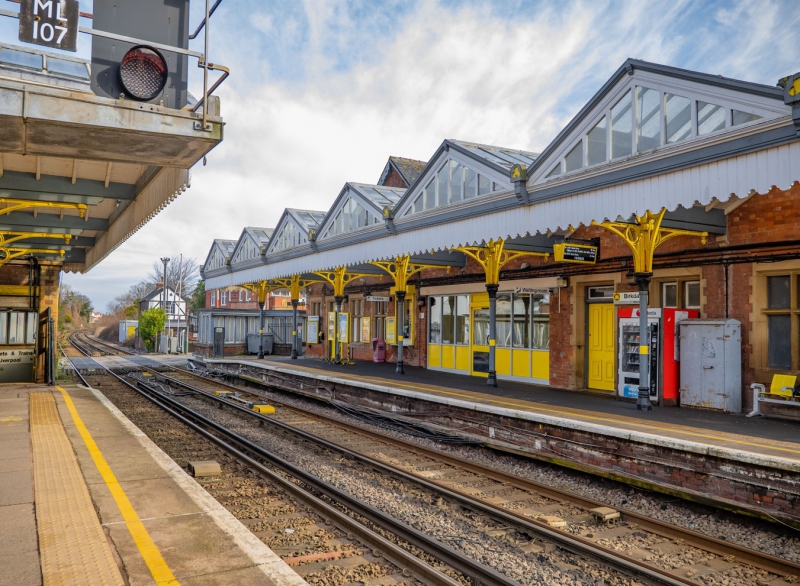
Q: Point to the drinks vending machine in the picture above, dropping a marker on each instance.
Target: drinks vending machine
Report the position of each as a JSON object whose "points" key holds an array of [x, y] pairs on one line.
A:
{"points": [[664, 352]]}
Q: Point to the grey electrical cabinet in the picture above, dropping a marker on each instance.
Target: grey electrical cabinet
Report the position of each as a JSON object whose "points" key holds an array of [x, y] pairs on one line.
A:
{"points": [[711, 364]]}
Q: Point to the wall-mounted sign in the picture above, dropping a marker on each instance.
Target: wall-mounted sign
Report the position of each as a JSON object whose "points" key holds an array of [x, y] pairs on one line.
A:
{"points": [[52, 23], [344, 327], [312, 329], [575, 253], [383, 298], [331, 325], [365, 329], [626, 297], [532, 290], [391, 331]]}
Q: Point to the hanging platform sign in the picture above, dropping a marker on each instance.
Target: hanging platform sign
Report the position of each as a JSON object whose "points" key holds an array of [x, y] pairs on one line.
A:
{"points": [[384, 298], [51, 23], [532, 290], [575, 253]]}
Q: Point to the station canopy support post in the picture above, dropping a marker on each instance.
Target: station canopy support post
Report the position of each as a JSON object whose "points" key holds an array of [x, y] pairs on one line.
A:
{"points": [[401, 269], [643, 236], [339, 278]]}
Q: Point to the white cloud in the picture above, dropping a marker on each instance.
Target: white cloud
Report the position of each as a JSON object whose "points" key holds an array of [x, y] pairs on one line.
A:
{"points": [[432, 73]]}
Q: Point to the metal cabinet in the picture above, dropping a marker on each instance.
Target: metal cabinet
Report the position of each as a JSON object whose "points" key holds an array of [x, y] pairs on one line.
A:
{"points": [[711, 364]]}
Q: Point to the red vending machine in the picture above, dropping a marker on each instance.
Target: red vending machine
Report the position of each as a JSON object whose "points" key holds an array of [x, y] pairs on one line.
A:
{"points": [[664, 353]]}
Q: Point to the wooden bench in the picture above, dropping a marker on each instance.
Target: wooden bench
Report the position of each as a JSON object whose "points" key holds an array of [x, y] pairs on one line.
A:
{"points": [[780, 391]]}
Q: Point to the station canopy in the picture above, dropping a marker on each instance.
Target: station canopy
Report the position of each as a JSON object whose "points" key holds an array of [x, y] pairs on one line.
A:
{"points": [[78, 165]]}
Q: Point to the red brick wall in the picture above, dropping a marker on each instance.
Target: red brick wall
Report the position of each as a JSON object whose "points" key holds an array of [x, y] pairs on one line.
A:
{"points": [[771, 217], [562, 374], [393, 179]]}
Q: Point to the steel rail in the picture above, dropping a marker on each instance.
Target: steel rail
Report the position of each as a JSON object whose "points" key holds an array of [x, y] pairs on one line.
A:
{"points": [[722, 548], [743, 554], [463, 564], [576, 544], [383, 547]]}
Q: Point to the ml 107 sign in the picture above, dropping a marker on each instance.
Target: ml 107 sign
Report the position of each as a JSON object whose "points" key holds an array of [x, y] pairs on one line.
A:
{"points": [[52, 23], [576, 253]]}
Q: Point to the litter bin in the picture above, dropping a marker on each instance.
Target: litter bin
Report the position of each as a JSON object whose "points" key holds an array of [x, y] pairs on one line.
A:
{"points": [[378, 350]]}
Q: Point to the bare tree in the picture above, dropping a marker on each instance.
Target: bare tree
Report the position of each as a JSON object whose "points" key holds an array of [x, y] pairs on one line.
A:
{"points": [[121, 306], [184, 270]]}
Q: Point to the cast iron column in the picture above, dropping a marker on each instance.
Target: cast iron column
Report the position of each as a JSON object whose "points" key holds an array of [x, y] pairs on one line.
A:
{"points": [[643, 401], [401, 313], [336, 349], [294, 329], [492, 290], [261, 330]]}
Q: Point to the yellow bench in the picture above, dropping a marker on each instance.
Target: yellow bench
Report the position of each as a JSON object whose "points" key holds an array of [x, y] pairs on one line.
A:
{"points": [[782, 386]]}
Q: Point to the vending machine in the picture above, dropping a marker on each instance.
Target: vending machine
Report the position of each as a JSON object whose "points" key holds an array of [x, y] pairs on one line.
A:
{"points": [[664, 352]]}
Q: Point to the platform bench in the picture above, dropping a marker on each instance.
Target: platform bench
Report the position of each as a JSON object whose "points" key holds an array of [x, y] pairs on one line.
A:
{"points": [[780, 391]]}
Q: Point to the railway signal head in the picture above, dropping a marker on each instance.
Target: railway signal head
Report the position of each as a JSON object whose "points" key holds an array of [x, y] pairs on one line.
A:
{"points": [[143, 73]]}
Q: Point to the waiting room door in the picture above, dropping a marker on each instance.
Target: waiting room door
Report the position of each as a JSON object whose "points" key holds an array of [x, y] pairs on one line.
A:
{"points": [[601, 347]]}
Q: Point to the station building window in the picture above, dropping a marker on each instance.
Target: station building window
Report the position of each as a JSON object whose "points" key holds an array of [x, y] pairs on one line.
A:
{"points": [[782, 309], [684, 294], [379, 310], [360, 324]]}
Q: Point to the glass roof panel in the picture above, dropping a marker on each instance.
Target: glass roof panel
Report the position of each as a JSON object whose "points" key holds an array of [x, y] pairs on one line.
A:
{"points": [[21, 59]]}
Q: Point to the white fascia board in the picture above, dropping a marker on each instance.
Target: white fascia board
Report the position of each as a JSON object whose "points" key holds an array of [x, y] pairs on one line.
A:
{"points": [[720, 180]]}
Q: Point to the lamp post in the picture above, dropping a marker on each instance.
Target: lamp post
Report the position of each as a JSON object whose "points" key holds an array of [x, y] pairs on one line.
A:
{"points": [[165, 260], [643, 401]]}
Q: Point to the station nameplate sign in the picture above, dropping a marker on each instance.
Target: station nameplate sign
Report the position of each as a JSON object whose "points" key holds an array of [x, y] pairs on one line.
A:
{"points": [[52, 23], [384, 298], [626, 298], [532, 290], [576, 253]]}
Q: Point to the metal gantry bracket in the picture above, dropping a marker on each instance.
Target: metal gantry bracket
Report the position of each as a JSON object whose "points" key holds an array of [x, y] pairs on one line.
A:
{"points": [[15, 205], [645, 236], [10, 253], [494, 256]]}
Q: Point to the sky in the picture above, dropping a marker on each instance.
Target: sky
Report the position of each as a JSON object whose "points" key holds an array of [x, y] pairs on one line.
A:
{"points": [[322, 92]]}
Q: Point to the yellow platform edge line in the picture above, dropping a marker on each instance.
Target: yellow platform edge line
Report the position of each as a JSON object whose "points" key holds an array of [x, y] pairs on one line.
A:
{"points": [[150, 553]]}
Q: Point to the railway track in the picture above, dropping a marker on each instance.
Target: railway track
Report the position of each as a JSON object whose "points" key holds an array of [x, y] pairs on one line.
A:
{"points": [[654, 551]]}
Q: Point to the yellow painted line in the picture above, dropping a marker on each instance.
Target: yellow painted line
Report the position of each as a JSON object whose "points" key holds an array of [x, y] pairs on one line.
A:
{"points": [[152, 556]]}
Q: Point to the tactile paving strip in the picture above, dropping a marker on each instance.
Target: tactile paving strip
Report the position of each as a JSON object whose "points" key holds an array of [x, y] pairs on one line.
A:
{"points": [[73, 547]]}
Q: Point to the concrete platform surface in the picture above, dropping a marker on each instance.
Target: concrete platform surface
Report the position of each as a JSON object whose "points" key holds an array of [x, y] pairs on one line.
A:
{"points": [[162, 527], [764, 441]]}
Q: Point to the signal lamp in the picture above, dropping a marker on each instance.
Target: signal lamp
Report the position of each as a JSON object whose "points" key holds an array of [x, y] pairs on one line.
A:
{"points": [[143, 73]]}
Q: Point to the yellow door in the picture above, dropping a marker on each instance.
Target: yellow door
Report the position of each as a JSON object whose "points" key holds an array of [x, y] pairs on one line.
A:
{"points": [[601, 346], [479, 344]]}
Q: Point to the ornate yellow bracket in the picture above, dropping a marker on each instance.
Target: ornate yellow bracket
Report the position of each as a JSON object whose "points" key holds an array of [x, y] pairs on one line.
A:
{"points": [[645, 236], [401, 269], [7, 237], [295, 283], [339, 278], [15, 205], [10, 253], [493, 257], [261, 289]]}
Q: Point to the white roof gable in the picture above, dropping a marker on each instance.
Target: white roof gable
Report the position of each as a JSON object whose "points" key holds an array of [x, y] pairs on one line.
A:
{"points": [[653, 110]]}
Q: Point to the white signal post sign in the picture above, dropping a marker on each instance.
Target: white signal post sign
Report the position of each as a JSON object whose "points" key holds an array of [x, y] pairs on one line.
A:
{"points": [[52, 23]]}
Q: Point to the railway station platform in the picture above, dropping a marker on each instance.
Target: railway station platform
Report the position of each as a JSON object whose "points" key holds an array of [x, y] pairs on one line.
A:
{"points": [[719, 458], [87, 498]]}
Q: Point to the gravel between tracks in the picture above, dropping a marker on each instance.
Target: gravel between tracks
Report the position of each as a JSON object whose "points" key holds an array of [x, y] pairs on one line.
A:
{"points": [[780, 541]]}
